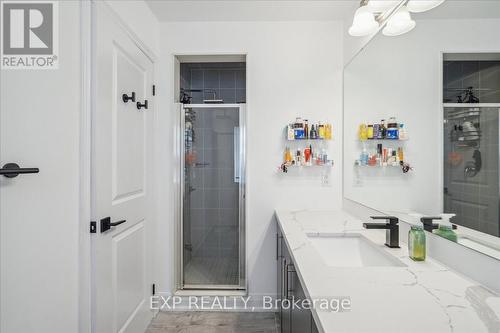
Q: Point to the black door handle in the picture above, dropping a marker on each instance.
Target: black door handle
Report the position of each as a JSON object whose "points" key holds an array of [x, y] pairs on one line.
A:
{"points": [[11, 170], [106, 224]]}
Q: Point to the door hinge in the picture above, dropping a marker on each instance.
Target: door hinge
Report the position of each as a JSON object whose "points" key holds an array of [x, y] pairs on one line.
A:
{"points": [[154, 90], [153, 289], [93, 227]]}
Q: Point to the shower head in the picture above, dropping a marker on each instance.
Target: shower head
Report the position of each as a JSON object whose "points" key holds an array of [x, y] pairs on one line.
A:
{"points": [[214, 100], [186, 98]]}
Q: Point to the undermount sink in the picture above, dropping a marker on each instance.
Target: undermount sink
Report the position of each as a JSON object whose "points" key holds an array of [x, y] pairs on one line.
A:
{"points": [[351, 250]]}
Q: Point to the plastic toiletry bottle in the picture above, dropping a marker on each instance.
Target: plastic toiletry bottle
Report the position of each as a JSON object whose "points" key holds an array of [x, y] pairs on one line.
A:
{"points": [[299, 128], [392, 129], [290, 133], [312, 133], [376, 131], [306, 129], [445, 229], [298, 158], [328, 131], [402, 132], [379, 154], [401, 157], [307, 156], [383, 130], [416, 243], [363, 132], [321, 131], [394, 159], [288, 155], [370, 132], [364, 157]]}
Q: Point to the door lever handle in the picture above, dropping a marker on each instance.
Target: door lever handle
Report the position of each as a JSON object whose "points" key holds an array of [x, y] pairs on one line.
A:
{"points": [[11, 170], [106, 224]]}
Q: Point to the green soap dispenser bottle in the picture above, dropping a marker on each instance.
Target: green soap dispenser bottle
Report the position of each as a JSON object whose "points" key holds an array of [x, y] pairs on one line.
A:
{"points": [[445, 229], [416, 243]]}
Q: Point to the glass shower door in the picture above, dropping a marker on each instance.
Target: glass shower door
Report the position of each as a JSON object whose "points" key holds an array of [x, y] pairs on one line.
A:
{"points": [[213, 186]]}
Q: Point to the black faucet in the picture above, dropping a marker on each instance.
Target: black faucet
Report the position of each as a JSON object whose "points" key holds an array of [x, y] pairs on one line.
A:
{"points": [[391, 232], [429, 225]]}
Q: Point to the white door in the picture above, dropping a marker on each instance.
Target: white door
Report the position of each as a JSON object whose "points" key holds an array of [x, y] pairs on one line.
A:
{"points": [[39, 114], [121, 180]]}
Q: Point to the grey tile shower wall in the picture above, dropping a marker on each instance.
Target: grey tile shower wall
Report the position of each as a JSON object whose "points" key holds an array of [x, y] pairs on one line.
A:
{"points": [[227, 80], [484, 76]]}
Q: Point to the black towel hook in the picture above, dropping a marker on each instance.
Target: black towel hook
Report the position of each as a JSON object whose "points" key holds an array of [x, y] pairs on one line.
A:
{"points": [[127, 98], [140, 106]]}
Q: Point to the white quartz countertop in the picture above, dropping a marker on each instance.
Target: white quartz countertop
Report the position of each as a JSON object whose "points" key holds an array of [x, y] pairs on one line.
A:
{"points": [[421, 297]]}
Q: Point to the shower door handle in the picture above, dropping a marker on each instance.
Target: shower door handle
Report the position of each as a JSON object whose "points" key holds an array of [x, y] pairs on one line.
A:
{"points": [[236, 147]]}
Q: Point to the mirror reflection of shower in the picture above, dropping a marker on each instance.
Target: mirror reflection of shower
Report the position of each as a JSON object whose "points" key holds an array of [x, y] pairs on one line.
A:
{"points": [[471, 96]]}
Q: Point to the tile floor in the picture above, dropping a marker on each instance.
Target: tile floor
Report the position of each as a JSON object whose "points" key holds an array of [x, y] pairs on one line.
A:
{"points": [[214, 322], [207, 270]]}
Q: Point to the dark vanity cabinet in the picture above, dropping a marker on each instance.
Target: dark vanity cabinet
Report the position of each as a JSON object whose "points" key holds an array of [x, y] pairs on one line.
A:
{"points": [[292, 320]]}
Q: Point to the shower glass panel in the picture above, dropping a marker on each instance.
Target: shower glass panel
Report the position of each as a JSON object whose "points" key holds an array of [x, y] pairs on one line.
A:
{"points": [[212, 214], [471, 166]]}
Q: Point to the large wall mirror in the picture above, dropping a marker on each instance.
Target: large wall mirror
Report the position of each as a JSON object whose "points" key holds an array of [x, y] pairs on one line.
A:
{"points": [[421, 122]]}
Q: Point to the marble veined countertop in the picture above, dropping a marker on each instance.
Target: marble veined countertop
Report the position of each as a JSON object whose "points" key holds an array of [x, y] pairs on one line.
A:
{"points": [[422, 297]]}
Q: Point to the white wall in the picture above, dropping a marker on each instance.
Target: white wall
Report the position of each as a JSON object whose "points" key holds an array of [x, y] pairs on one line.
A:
{"points": [[402, 76], [139, 18], [40, 213], [293, 69], [352, 45]]}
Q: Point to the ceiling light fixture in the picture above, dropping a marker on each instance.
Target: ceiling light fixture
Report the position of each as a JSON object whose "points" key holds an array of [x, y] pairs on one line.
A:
{"points": [[381, 6], [364, 23], [400, 23], [419, 6], [394, 15]]}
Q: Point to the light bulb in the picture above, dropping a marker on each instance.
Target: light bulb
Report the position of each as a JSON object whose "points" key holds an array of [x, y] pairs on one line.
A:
{"points": [[364, 23], [419, 6], [400, 23]]}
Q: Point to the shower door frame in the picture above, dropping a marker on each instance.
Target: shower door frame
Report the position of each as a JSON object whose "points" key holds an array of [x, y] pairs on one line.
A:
{"points": [[242, 269]]}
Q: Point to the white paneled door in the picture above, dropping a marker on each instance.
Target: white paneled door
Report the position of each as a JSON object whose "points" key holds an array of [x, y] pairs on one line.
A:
{"points": [[122, 132]]}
